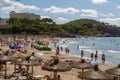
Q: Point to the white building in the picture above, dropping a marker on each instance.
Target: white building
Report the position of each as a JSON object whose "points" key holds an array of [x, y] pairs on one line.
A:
{"points": [[24, 15]]}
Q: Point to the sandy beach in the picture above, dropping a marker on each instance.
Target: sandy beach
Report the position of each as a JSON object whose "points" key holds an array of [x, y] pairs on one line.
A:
{"points": [[47, 55]]}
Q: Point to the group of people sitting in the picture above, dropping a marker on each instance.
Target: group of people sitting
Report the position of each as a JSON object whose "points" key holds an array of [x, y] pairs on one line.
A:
{"points": [[50, 77], [21, 70]]}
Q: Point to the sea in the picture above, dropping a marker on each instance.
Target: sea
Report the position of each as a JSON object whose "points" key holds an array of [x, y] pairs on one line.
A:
{"points": [[110, 46]]}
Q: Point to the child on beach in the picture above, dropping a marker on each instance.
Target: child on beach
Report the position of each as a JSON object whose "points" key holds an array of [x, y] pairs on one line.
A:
{"points": [[58, 77]]}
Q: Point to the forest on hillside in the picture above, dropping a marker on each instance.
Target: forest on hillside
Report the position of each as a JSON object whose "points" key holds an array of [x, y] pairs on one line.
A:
{"points": [[46, 26]]}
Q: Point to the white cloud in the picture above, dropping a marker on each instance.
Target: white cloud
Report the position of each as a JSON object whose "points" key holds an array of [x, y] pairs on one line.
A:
{"points": [[61, 19], [2, 2], [115, 21], [118, 6], [99, 1], [107, 15], [89, 13], [45, 17], [16, 6], [54, 9]]}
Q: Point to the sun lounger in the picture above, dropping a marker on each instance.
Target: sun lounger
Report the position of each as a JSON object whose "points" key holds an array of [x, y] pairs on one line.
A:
{"points": [[38, 77]]}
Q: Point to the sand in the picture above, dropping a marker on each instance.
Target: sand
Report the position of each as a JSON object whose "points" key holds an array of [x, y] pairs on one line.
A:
{"points": [[69, 75]]}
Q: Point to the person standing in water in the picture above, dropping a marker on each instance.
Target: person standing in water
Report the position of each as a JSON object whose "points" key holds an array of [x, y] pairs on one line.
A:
{"points": [[96, 55], [82, 53], [77, 47], [91, 55], [103, 58]]}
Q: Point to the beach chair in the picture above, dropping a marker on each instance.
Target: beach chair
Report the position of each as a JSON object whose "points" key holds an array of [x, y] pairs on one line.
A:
{"points": [[38, 77]]}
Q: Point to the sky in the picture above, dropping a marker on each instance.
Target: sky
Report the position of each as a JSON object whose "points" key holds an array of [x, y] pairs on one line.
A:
{"points": [[63, 11]]}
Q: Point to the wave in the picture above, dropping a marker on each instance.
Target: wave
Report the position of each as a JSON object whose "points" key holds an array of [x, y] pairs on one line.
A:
{"points": [[72, 43], [63, 45], [83, 47], [112, 51]]}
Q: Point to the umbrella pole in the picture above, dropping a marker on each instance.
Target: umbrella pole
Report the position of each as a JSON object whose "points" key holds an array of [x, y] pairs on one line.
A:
{"points": [[27, 72], [5, 69], [32, 70], [55, 74], [119, 77], [82, 70], [15, 68]]}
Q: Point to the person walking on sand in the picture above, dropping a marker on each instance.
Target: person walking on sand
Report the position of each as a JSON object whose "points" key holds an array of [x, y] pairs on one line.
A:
{"points": [[57, 52]]}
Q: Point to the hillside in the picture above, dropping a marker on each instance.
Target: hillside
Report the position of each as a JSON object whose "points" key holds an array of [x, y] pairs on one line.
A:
{"points": [[89, 27]]}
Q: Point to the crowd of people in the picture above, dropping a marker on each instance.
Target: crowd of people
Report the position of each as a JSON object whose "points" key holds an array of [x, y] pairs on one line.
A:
{"points": [[93, 56], [59, 49]]}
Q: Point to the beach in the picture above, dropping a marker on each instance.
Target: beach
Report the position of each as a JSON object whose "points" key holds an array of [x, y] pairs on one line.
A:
{"points": [[47, 55]]}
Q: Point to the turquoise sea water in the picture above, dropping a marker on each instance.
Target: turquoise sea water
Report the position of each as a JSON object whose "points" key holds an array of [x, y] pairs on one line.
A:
{"points": [[110, 46]]}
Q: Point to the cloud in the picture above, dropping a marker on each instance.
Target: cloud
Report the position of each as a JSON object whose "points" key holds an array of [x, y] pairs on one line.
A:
{"points": [[16, 6], [89, 12], [118, 6], [99, 1], [106, 15], [54, 9], [2, 2], [115, 21], [61, 19]]}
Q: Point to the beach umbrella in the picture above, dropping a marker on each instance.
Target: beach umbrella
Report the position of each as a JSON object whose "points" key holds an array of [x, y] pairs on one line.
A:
{"points": [[95, 74], [14, 61], [4, 59], [33, 58], [114, 71], [14, 58], [27, 64], [16, 55], [56, 66], [81, 65]]}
